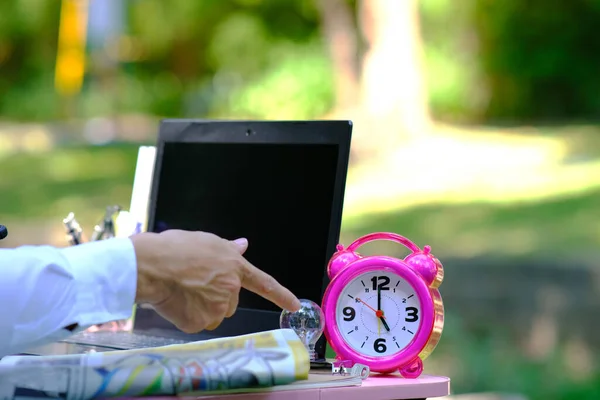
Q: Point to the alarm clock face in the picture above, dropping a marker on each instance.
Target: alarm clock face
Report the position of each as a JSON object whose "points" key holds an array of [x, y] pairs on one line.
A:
{"points": [[378, 313]]}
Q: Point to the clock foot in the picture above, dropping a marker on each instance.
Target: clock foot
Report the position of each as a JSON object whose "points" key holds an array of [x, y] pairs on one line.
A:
{"points": [[412, 370]]}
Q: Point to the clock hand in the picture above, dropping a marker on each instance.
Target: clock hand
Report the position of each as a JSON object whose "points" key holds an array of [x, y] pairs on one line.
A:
{"points": [[368, 306], [385, 325], [380, 311], [379, 308]]}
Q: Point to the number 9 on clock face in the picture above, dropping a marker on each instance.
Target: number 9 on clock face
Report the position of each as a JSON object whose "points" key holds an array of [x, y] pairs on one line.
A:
{"points": [[378, 313]]}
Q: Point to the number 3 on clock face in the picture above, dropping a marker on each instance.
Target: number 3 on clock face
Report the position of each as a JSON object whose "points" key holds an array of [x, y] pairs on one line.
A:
{"points": [[378, 313]]}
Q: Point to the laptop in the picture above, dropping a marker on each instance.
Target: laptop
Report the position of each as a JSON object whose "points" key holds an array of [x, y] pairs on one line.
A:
{"points": [[280, 184]]}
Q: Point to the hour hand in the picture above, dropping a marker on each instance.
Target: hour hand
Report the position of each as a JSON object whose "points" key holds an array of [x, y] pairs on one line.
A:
{"points": [[385, 325]]}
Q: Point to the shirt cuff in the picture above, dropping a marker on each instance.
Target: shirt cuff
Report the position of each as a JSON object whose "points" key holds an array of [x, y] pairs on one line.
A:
{"points": [[105, 273]]}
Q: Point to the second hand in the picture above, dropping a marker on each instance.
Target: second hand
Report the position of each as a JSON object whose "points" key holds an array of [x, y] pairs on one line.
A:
{"points": [[378, 313], [368, 306]]}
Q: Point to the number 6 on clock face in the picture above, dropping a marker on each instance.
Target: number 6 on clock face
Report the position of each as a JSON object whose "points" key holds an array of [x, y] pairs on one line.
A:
{"points": [[381, 311]]}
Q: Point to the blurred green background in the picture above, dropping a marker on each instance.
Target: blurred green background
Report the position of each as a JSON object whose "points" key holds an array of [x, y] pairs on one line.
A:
{"points": [[476, 132]]}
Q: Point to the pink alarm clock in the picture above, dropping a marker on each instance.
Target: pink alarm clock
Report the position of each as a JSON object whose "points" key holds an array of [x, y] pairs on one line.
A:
{"points": [[384, 312]]}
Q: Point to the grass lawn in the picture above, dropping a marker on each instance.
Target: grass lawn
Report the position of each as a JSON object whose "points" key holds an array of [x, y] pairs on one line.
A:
{"points": [[40, 189], [44, 187], [556, 227]]}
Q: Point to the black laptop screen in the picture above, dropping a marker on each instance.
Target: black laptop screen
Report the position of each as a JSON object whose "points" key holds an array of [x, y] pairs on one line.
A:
{"points": [[278, 196]]}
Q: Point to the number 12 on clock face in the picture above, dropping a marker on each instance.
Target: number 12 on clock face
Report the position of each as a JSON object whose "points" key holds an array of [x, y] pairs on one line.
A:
{"points": [[378, 313]]}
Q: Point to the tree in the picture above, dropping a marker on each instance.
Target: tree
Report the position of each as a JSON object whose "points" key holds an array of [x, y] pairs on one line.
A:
{"points": [[393, 86], [339, 30], [389, 94]]}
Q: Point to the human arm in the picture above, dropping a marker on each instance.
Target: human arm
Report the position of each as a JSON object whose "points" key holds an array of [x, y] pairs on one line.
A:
{"points": [[192, 279], [45, 290]]}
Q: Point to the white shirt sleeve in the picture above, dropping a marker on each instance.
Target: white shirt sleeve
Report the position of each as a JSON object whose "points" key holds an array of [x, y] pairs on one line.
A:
{"points": [[45, 289]]}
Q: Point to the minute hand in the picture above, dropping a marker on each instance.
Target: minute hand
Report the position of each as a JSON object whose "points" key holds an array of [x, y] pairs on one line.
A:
{"points": [[380, 311]]}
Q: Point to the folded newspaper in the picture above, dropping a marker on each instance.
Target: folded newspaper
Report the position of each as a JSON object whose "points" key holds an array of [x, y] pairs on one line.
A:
{"points": [[257, 360]]}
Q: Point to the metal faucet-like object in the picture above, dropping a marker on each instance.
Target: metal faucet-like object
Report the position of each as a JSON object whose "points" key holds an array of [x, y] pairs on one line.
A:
{"points": [[106, 228]]}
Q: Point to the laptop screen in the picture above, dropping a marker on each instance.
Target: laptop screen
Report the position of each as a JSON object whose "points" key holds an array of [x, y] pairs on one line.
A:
{"points": [[278, 196]]}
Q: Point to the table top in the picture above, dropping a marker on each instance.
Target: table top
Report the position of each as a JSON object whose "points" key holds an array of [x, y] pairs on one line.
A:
{"points": [[376, 387]]}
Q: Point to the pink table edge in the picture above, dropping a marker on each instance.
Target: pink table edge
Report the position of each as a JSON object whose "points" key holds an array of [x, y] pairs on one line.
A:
{"points": [[376, 387]]}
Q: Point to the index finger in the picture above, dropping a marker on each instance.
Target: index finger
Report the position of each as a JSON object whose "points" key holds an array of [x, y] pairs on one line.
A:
{"points": [[263, 284]]}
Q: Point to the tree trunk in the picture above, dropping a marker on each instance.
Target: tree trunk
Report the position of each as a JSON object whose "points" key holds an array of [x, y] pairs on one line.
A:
{"points": [[393, 90], [340, 34]]}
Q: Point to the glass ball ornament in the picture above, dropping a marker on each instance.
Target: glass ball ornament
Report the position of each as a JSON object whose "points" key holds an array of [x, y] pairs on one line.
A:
{"points": [[308, 323]]}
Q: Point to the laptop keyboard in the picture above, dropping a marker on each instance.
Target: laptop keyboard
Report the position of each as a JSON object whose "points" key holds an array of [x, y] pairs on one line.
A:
{"points": [[120, 340]]}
